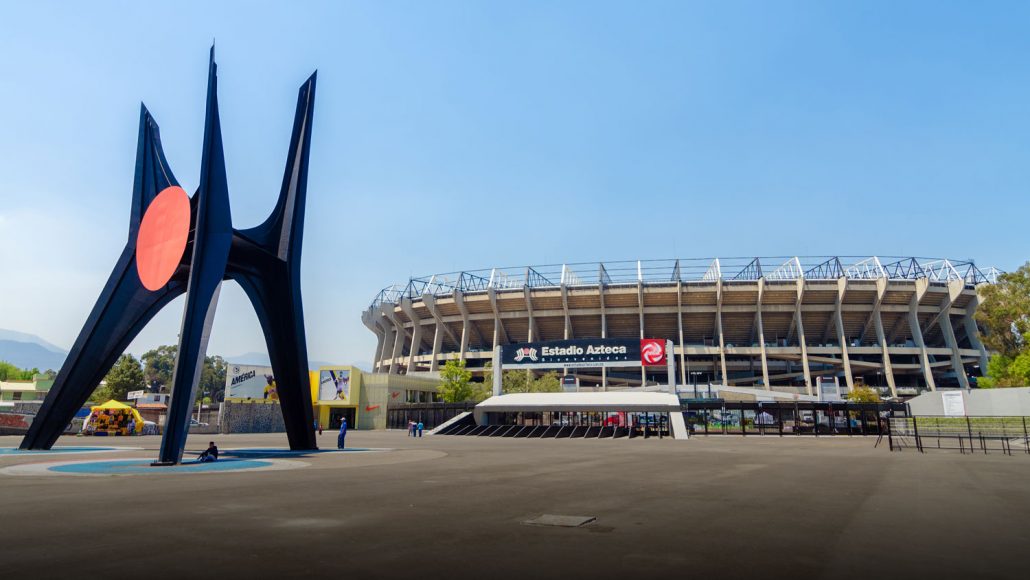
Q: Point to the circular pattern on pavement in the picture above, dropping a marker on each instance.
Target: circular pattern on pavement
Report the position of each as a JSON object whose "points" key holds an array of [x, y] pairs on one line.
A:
{"points": [[141, 466], [14, 451], [259, 453]]}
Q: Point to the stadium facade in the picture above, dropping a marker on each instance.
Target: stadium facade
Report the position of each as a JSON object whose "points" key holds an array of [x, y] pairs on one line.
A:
{"points": [[785, 324]]}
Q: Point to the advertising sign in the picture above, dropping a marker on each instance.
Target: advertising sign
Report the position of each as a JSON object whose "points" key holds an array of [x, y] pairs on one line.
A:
{"points": [[334, 385], [586, 352], [250, 382], [133, 395]]}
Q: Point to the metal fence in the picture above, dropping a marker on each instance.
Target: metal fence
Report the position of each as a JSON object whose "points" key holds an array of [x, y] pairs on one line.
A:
{"points": [[707, 417], [985, 435], [429, 414]]}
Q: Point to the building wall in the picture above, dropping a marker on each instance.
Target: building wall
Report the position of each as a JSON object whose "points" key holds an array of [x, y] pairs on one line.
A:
{"points": [[1011, 402], [34, 390], [912, 334], [250, 417], [372, 394]]}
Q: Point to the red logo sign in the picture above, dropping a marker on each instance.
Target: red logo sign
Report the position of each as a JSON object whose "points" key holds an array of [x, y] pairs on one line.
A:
{"points": [[371, 407], [652, 352]]}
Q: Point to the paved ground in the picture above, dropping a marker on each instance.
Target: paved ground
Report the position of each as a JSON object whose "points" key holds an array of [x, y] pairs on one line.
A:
{"points": [[446, 507]]}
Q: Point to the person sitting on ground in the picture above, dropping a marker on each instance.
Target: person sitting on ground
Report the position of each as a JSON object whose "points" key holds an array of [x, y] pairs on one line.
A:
{"points": [[209, 454]]}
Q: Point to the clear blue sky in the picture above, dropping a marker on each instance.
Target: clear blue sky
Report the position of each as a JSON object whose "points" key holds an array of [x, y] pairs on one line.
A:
{"points": [[462, 135]]}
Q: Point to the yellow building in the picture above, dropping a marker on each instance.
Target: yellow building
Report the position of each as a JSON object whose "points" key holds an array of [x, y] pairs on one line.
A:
{"points": [[340, 392]]}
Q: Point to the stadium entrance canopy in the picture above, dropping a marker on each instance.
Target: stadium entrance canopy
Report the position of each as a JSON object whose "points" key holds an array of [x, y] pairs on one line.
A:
{"points": [[584, 409], [585, 353]]}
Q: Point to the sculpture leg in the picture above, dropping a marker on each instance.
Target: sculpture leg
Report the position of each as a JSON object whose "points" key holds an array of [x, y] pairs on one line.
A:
{"points": [[282, 321], [189, 362], [123, 309]]}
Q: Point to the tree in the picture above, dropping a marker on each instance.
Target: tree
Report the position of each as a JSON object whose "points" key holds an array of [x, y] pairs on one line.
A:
{"points": [[1004, 315], [159, 365], [546, 383], [864, 395], [1004, 371], [522, 381], [212, 377], [457, 384], [126, 375], [159, 368], [9, 372]]}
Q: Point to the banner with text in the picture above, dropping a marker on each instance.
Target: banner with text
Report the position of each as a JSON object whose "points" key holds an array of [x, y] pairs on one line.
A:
{"points": [[585, 352], [250, 382]]}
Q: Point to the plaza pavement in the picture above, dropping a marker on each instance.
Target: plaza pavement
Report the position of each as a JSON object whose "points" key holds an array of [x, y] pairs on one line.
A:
{"points": [[452, 507]]}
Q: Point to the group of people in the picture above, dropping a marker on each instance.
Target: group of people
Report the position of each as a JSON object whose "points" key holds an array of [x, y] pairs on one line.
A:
{"points": [[415, 429]]}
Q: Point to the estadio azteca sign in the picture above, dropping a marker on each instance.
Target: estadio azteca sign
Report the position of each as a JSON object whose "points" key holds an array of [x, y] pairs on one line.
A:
{"points": [[586, 352]]}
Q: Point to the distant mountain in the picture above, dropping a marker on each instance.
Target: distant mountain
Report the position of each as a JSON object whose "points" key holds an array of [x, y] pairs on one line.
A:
{"points": [[16, 336], [261, 359], [29, 355]]}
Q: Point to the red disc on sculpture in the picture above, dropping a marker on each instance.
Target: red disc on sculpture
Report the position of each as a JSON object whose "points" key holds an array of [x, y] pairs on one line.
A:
{"points": [[162, 237]]}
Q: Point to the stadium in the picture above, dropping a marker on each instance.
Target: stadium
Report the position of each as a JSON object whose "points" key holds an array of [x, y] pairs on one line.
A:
{"points": [[788, 324]]}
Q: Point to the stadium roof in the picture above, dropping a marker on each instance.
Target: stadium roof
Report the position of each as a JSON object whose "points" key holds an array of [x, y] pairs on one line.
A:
{"points": [[672, 271]]}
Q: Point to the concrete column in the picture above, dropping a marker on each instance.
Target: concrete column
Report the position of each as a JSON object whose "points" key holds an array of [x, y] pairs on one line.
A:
{"points": [[917, 334], [956, 356], [499, 332], [718, 330], [463, 350], [437, 342], [383, 333], [416, 344], [531, 333], [416, 334], [888, 369], [969, 322], [604, 334], [398, 338], [842, 288], [761, 335], [498, 385], [800, 325], [679, 325], [640, 303], [368, 318], [440, 329], [565, 308], [466, 325], [398, 348]]}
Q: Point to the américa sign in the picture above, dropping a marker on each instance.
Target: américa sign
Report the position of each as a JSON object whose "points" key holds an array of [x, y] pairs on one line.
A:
{"points": [[586, 352]]}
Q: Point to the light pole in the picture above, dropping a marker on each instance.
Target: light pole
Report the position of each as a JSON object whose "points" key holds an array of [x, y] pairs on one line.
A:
{"points": [[695, 374]]}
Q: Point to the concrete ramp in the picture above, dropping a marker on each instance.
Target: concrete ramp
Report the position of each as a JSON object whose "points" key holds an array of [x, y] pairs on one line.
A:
{"points": [[452, 421], [679, 426]]}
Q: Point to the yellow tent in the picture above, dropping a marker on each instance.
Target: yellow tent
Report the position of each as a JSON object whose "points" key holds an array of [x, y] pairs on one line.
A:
{"points": [[112, 405]]}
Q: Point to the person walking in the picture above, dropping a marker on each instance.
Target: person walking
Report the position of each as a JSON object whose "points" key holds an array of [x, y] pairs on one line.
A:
{"points": [[343, 434], [411, 428], [419, 427]]}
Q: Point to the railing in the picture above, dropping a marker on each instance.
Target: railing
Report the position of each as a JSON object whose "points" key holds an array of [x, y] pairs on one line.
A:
{"points": [[963, 434], [656, 272], [787, 418]]}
